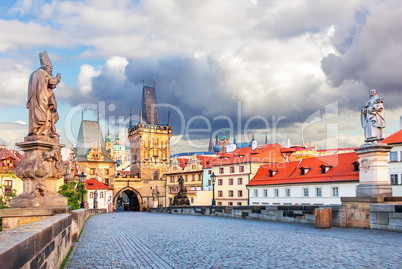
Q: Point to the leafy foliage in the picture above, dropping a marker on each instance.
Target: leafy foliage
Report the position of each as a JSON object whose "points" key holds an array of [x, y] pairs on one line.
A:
{"points": [[6, 192], [73, 192]]}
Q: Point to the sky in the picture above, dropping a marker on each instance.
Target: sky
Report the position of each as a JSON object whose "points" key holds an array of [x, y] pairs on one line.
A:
{"points": [[298, 70]]}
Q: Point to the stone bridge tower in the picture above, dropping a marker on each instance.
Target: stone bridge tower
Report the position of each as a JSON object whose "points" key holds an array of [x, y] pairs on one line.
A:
{"points": [[150, 140]]}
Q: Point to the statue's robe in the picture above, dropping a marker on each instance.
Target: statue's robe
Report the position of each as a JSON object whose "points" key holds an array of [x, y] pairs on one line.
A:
{"points": [[373, 120], [40, 98]]}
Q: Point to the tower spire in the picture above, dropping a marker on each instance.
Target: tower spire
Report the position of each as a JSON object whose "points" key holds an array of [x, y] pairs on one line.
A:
{"points": [[154, 82], [143, 80], [140, 112], [130, 124], [168, 124], [234, 138], [266, 138]]}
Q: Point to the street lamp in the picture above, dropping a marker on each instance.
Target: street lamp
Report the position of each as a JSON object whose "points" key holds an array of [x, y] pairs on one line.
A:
{"points": [[82, 181], [213, 178]]}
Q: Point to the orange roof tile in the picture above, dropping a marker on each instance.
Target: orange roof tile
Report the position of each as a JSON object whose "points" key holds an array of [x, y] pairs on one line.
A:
{"points": [[394, 138], [289, 173], [94, 184]]}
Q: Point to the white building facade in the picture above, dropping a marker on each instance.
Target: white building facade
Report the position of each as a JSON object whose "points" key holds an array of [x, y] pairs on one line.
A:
{"points": [[395, 162]]}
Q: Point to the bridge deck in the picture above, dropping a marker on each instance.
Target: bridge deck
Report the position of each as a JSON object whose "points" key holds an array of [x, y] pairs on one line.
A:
{"points": [[148, 240]]}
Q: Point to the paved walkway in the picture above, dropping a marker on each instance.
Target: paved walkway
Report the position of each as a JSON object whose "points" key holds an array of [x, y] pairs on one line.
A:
{"points": [[150, 240]]}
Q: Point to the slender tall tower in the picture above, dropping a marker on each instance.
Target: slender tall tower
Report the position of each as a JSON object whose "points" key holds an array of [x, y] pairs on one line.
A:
{"points": [[150, 140]]}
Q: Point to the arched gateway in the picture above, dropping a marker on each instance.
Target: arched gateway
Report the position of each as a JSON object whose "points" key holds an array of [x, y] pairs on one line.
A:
{"points": [[135, 199]]}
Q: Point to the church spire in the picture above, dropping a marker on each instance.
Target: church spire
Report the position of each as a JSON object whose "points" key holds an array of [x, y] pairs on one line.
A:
{"points": [[168, 124], [130, 124], [234, 138], [266, 138]]}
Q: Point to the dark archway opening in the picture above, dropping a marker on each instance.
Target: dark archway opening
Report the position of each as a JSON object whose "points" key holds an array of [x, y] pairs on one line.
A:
{"points": [[130, 201]]}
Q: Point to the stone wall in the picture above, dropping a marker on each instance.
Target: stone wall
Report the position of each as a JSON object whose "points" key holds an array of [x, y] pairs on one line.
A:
{"points": [[44, 243], [386, 217], [291, 213]]}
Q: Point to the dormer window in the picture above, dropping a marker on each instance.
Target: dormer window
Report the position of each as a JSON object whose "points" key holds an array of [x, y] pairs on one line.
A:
{"points": [[325, 168], [272, 173], [355, 166], [304, 170]]}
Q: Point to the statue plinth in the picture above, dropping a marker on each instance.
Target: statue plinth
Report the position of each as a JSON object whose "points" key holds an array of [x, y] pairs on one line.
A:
{"points": [[373, 174], [39, 171]]}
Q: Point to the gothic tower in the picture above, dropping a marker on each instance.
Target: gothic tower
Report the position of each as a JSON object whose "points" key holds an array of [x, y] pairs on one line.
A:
{"points": [[150, 140]]}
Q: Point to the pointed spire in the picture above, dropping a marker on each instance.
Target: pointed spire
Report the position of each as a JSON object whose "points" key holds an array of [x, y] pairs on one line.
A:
{"points": [[266, 138], [143, 80], [82, 114], [130, 124], [216, 140], [140, 113], [211, 144], [154, 82], [234, 138], [253, 136], [168, 124]]}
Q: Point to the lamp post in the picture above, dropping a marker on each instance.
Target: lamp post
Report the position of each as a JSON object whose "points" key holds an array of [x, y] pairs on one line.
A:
{"points": [[213, 178], [82, 181]]}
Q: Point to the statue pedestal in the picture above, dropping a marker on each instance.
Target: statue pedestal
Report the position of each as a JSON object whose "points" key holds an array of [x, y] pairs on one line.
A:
{"points": [[39, 171], [373, 187], [373, 174]]}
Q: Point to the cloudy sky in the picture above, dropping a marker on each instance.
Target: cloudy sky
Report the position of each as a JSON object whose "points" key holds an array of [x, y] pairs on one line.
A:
{"points": [[283, 69]]}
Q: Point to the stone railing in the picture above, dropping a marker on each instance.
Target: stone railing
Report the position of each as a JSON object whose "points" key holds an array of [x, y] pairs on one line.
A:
{"points": [[44, 243], [386, 217], [285, 213]]}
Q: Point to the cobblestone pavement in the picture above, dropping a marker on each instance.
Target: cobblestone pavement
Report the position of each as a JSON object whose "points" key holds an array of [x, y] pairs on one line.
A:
{"points": [[151, 240]]}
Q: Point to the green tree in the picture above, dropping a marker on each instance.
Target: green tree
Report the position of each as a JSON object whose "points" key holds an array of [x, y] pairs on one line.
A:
{"points": [[73, 192]]}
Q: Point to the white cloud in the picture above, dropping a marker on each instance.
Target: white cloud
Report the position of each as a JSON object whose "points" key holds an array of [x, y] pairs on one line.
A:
{"points": [[84, 80]]}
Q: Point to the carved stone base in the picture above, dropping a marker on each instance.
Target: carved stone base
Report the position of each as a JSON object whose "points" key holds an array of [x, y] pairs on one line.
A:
{"points": [[373, 190], [39, 171]]}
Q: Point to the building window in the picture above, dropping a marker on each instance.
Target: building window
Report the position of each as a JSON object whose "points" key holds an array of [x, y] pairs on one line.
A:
{"points": [[239, 193], [186, 178], [230, 193], [241, 168], [287, 192], [209, 172], [101, 194], [335, 191], [276, 192], [318, 191], [107, 181], [219, 203], [220, 181], [230, 181], [239, 181], [106, 172], [393, 156], [171, 178], [220, 193], [92, 171], [272, 173], [192, 177], [91, 195], [221, 170], [265, 193], [305, 192], [255, 193], [356, 166], [230, 203], [170, 201], [209, 182], [304, 170], [394, 179], [8, 186], [325, 168], [232, 169], [192, 200], [238, 203], [199, 177], [193, 166]]}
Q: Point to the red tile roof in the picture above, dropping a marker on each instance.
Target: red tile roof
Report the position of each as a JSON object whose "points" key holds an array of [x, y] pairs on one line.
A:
{"points": [[94, 184], [264, 154], [9, 154], [394, 138], [289, 173]]}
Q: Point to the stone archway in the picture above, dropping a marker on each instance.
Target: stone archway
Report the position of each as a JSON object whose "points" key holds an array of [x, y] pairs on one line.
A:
{"points": [[135, 199]]}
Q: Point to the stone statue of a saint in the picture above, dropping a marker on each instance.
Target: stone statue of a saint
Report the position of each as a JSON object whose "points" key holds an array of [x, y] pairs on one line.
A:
{"points": [[41, 101], [373, 118]]}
